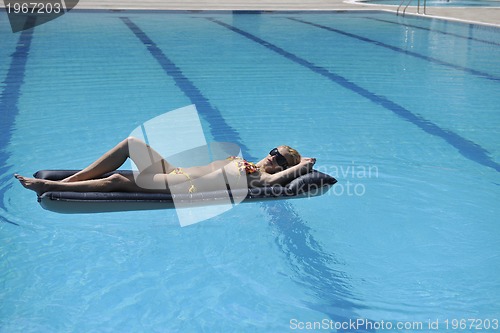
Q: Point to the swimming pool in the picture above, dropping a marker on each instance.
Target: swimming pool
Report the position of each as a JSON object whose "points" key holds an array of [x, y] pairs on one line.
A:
{"points": [[439, 3], [403, 111]]}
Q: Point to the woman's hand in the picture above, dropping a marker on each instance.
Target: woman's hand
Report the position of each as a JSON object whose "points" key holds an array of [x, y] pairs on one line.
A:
{"points": [[307, 163]]}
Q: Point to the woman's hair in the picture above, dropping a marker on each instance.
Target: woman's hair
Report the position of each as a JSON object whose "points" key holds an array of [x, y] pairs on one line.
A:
{"points": [[294, 154]]}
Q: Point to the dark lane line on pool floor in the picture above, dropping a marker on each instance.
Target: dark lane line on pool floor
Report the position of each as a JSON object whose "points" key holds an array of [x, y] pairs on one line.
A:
{"points": [[434, 30], [466, 148], [220, 129], [480, 74], [294, 236], [9, 98]]}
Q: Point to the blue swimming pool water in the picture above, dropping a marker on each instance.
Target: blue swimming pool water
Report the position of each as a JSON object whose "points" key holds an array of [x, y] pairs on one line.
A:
{"points": [[403, 111], [440, 3]]}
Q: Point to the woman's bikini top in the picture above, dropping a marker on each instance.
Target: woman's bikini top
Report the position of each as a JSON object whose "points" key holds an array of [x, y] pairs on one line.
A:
{"points": [[244, 165]]}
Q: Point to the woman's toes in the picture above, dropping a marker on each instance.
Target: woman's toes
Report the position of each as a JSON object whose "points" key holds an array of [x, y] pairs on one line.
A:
{"points": [[37, 185]]}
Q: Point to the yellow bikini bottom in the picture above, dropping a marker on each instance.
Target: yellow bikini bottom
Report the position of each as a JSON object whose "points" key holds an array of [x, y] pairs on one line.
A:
{"points": [[180, 171], [242, 164]]}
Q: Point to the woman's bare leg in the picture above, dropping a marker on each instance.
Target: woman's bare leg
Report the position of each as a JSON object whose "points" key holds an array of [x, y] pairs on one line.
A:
{"points": [[141, 154], [113, 183], [206, 178]]}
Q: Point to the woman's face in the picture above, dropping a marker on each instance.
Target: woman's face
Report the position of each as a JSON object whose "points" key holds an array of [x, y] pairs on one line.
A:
{"points": [[277, 160]]}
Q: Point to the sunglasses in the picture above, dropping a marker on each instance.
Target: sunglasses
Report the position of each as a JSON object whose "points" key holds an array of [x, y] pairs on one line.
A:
{"points": [[280, 159]]}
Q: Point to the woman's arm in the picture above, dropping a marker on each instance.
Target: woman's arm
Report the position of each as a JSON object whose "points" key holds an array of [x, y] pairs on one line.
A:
{"points": [[284, 177]]}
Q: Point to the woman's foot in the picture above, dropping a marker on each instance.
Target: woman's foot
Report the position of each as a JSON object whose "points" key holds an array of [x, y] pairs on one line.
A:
{"points": [[38, 185]]}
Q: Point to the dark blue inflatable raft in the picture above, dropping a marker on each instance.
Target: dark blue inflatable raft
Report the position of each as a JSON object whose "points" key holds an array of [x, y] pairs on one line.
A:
{"points": [[311, 184]]}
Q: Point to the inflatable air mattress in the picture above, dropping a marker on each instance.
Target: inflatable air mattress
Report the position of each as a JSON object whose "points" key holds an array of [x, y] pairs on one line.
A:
{"points": [[311, 184]]}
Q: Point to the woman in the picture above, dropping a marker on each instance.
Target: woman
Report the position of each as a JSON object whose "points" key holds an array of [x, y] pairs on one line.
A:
{"points": [[282, 165]]}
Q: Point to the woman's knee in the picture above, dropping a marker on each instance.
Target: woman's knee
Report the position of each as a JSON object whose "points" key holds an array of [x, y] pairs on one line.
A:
{"points": [[117, 180], [132, 140], [138, 151]]}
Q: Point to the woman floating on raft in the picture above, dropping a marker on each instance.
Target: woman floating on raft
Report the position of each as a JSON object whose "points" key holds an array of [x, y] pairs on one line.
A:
{"points": [[156, 175]]}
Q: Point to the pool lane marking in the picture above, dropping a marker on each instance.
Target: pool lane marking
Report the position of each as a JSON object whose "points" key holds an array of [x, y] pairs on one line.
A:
{"points": [[435, 31], [211, 113], [13, 82], [400, 50], [465, 147], [296, 237], [9, 97]]}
